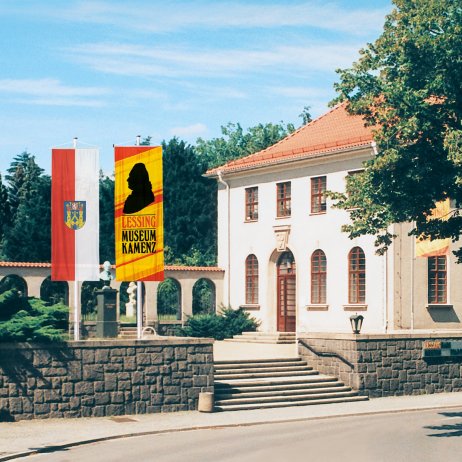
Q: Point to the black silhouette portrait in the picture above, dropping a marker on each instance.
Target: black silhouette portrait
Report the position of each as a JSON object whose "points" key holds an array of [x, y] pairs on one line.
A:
{"points": [[142, 195]]}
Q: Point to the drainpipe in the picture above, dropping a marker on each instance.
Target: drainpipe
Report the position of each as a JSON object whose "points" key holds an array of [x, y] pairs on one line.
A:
{"points": [[228, 271]]}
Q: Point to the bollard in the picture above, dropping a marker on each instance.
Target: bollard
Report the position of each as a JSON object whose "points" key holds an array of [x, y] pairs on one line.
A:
{"points": [[205, 402]]}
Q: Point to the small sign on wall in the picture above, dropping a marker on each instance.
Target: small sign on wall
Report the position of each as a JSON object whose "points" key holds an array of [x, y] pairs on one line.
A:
{"points": [[442, 349]]}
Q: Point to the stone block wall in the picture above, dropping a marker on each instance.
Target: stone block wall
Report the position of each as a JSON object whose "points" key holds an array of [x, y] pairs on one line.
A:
{"points": [[103, 378], [383, 365]]}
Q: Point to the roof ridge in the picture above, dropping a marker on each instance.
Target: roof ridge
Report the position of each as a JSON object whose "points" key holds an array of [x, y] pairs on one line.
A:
{"points": [[289, 136]]}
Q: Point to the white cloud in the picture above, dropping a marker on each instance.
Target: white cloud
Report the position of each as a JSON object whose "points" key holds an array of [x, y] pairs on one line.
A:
{"points": [[143, 61], [196, 129], [159, 17], [51, 92], [303, 92]]}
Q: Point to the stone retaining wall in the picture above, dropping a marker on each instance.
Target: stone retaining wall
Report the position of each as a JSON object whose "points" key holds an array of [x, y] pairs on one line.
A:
{"points": [[383, 365], [103, 378]]}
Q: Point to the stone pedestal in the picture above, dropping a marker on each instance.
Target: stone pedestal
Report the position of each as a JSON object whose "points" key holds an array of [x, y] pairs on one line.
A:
{"points": [[106, 320]]}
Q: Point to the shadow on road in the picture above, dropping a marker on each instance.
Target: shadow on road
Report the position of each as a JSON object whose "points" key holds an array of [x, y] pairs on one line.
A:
{"points": [[447, 430]]}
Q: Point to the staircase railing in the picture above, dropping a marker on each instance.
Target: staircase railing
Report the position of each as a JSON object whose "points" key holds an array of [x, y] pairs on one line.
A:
{"points": [[325, 354]]}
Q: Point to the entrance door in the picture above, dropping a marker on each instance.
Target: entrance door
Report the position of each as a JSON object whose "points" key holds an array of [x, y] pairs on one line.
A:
{"points": [[286, 292]]}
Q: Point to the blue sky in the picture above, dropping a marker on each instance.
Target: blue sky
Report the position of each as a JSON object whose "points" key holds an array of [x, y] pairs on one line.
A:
{"points": [[106, 71]]}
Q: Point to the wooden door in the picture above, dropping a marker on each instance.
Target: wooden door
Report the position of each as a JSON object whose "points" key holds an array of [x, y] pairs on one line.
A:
{"points": [[286, 293]]}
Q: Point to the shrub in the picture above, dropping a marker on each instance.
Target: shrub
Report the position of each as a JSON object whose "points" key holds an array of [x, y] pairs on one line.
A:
{"points": [[32, 319], [238, 321], [219, 326]]}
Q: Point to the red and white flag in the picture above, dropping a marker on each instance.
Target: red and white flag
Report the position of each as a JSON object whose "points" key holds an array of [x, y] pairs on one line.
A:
{"points": [[75, 215]]}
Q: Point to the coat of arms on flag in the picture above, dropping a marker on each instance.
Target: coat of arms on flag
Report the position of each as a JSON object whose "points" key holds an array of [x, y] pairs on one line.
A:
{"points": [[74, 214]]}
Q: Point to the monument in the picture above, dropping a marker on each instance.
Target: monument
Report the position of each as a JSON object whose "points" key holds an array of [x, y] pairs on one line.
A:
{"points": [[107, 325]]}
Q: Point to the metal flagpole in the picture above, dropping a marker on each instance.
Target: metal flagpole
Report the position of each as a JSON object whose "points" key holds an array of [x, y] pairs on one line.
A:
{"points": [[76, 312], [139, 293], [76, 292]]}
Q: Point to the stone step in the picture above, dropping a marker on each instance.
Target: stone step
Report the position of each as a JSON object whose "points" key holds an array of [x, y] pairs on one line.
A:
{"points": [[262, 369], [256, 361], [273, 381], [258, 365], [268, 334], [264, 337], [328, 400], [273, 384], [280, 398], [284, 391], [256, 375], [250, 340]]}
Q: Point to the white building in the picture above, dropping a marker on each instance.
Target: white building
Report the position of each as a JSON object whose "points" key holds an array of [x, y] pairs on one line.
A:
{"points": [[286, 259]]}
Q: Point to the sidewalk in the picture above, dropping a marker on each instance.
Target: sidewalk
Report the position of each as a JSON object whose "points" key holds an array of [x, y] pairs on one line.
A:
{"points": [[30, 436]]}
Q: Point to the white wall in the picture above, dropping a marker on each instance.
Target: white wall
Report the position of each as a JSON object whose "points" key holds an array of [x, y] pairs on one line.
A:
{"points": [[307, 233]]}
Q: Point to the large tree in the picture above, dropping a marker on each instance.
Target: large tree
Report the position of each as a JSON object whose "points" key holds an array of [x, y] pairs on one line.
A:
{"points": [[5, 216], [28, 236], [408, 86], [106, 219], [190, 208], [236, 142]]}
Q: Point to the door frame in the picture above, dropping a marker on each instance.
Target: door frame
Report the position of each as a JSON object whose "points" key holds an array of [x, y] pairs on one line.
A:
{"points": [[285, 323]]}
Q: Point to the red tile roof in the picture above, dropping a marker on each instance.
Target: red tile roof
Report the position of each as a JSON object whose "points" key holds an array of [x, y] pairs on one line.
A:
{"points": [[334, 131], [14, 264]]}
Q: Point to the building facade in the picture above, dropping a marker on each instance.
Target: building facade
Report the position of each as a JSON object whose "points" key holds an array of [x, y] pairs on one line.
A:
{"points": [[286, 259]]}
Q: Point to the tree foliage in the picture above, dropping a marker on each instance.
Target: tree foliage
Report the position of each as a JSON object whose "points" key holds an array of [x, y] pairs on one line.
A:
{"points": [[27, 232], [106, 219], [25, 320], [407, 85], [190, 209], [236, 142]]}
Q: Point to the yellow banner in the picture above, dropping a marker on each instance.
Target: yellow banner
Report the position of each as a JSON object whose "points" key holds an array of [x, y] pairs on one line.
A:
{"points": [[139, 235], [427, 247]]}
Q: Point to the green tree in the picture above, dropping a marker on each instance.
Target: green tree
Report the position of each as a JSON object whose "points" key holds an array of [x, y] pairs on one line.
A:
{"points": [[5, 214], [236, 142], [305, 115], [190, 208], [407, 85], [23, 170], [106, 218], [28, 236]]}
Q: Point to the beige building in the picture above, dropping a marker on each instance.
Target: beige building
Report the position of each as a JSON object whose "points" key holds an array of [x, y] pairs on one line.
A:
{"points": [[286, 259]]}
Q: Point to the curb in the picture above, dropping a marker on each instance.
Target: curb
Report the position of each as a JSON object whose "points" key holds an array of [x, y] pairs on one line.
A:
{"points": [[49, 449]]}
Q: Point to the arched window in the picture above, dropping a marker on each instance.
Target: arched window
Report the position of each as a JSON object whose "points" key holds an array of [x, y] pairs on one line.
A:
{"points": [[356, 276], [14, 282], [204, 297], [318, 277], [169, 300], [437, 279], [54, 291], [251, 280]]}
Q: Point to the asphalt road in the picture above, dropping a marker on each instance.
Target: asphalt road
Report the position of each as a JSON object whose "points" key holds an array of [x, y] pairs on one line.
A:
{"points": [[423, 436]]}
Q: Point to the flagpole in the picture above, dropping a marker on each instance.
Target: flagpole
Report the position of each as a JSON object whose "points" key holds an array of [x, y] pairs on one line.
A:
{"points": [[139, 293], [76, 312], [76, 290]]}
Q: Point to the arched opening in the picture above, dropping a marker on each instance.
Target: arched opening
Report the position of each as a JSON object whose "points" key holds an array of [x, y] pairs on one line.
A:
{"points": [[286, 293], [54, 291], [169, 300], [204, 300], [128, 292], [88, 299], [14, 282]]}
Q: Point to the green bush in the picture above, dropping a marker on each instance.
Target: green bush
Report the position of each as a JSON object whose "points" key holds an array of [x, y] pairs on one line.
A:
{"points": [[31, 319], [219, 326]]}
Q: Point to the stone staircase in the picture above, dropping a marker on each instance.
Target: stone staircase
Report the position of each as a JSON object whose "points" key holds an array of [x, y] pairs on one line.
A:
{"points": [[264, 337], [271, 383], [128, 333]]}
